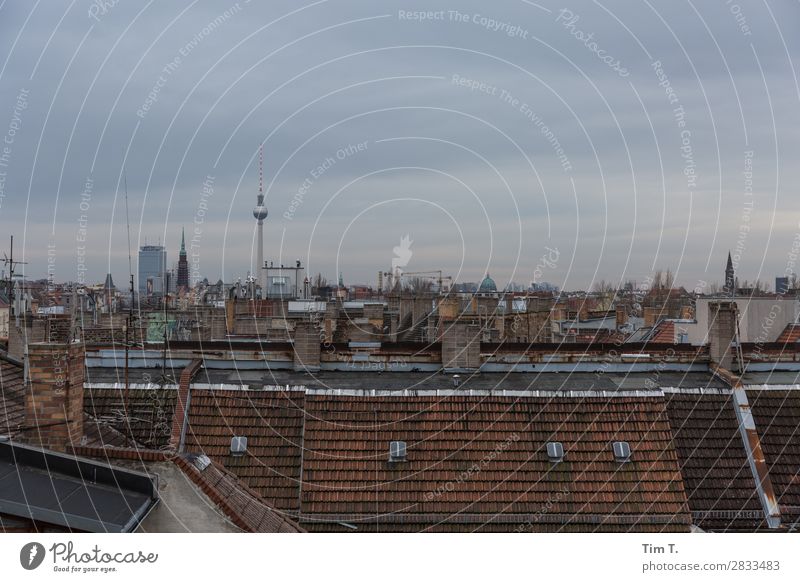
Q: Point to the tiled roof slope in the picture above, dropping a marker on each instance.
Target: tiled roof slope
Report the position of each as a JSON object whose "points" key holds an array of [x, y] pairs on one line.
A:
{"points": [[248, 510], [150, 419], [664, 332], [98, 433], [790, 334], [12, 396], [716, 473], [273, 425], [480, 464], [777, 417], [243, 505]]}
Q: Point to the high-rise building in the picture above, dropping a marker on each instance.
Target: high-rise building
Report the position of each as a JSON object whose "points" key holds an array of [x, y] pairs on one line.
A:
{"points": [[183, 266], [152, 270], [781, 285]]}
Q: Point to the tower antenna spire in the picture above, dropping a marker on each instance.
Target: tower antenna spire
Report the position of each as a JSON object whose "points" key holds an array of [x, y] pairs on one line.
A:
{"points": [[261, 173]]}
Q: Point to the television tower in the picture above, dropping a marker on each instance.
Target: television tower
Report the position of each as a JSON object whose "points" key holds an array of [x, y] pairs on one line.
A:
{"points": [[260, 213]]}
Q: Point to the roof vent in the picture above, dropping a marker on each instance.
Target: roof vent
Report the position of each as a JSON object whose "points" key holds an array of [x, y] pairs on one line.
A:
{"points": [[397, 451], [555, 452], [622, 451], [238, 446], [201, 462]]}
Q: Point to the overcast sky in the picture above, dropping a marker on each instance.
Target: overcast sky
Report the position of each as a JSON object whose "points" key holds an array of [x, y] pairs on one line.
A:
{"points": [[561, 142]]}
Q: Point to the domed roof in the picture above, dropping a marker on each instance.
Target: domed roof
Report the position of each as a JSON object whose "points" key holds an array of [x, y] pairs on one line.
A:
{"points": [[487, 285]]}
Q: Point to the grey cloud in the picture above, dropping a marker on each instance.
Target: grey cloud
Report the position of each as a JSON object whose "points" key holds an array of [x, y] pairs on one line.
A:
{"points": [[209, 106]]}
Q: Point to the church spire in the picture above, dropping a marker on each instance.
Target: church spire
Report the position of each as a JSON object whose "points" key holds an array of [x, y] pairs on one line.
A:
{"points": [[730, 277], [183, 265]]}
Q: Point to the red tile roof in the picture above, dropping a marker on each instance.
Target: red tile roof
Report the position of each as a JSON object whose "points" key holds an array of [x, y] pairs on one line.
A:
{"points": [[273, 425], [790, 335], [98, 433], [476, 463], [713, 461], [248, 510], [12, 396], [334, 448], [777, 417], [664, 332], [243, 505], [149, 420]]}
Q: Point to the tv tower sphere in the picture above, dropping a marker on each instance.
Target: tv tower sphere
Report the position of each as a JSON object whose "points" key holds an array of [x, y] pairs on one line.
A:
{"points": [[260, 211]]}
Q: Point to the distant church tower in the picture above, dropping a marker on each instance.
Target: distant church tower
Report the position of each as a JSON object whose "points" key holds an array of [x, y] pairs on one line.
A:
{"points": [[730, 278], [183, 265]]}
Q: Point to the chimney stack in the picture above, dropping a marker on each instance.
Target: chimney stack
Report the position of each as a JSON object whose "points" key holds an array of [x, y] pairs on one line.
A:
{"points": [[306, 347], [721, 333], [622, 315], [651, 316], [461, 347], [54, 395]]}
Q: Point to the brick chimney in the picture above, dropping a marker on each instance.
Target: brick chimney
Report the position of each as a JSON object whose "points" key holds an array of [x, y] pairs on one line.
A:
{"points": [[721, 332], [622, 315], [54, 395], [306, 347], [651, 316], [180, 417]]}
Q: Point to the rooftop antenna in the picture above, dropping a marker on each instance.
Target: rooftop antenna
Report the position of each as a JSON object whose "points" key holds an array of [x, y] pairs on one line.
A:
{"points": [[8, 260], [129, 322], [128, 221]]}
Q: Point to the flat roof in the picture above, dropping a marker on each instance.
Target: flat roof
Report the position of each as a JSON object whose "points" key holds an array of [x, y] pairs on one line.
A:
{"points": [[72, 492], [652, 380], [776, 377]]}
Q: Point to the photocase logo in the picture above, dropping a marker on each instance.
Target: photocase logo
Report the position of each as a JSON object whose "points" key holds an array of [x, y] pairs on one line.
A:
{"points": [[402, 253], [31, 555]]}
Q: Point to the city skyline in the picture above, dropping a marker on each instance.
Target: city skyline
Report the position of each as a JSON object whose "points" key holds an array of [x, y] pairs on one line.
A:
{"points": [[363, 268], [486, 136]]}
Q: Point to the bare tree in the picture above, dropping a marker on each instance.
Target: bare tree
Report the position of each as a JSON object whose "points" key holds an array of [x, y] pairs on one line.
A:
{"points": [[658, 281], [604, 287], [669, 279], [319, 283], [419, 285]]}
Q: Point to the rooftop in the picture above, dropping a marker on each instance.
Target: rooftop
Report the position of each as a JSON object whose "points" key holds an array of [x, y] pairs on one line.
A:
{"points": [[78, 494], [416, 381]]}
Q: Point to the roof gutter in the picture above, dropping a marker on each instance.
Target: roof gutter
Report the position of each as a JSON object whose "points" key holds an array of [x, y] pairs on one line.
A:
{"points": [[503, 518]]}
